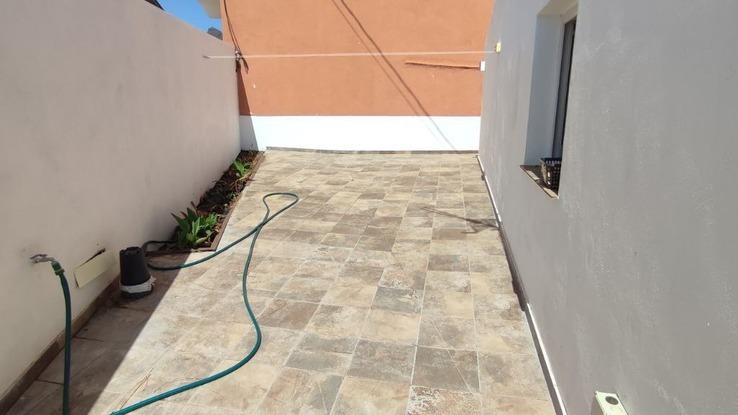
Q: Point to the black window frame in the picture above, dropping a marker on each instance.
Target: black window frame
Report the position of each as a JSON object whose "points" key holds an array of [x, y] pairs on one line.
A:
{"points": [[567, 52]]}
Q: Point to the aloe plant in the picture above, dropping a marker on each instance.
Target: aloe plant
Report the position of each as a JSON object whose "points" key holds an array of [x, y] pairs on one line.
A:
{"points": [[241, 168], [194, 229]]}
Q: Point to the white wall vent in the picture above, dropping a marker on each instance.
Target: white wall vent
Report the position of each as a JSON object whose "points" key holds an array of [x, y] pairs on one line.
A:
{"points": [[609, 404]]}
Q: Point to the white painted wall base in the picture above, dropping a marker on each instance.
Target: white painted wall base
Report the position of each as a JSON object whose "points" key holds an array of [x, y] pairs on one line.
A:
{"points": [[361, 133]]}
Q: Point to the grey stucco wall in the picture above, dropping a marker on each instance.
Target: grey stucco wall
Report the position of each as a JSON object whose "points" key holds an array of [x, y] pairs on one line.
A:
{"points": [[632, 274], [110, 119]]}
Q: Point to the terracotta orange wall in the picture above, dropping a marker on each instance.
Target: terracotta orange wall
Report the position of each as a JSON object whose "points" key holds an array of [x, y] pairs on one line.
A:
{"points": [[359, 85]]}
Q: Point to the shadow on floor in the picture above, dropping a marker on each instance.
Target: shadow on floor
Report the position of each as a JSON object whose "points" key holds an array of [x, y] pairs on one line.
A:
{"points": [[111, 347], [476, 225]]}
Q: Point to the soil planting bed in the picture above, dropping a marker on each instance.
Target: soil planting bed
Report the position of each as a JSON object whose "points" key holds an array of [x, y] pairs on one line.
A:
{"points": [[221, 199]]}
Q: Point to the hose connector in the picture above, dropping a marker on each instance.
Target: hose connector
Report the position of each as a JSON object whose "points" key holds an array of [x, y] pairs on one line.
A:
{"points": [[39, 258]]}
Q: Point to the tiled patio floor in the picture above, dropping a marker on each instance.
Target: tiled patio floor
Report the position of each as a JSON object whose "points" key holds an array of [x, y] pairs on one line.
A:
{"points": [[384, 291]]}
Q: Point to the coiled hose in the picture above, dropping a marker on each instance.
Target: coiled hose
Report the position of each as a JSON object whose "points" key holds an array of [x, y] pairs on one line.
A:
{"points": [[148, 401], [255, 232]]}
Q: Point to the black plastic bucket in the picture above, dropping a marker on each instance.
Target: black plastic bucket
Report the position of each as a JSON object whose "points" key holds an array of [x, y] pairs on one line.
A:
{"points": [[135, 279]]}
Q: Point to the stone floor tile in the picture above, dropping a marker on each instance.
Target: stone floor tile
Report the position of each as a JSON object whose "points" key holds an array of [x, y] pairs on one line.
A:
{"points": [[231, 307], [449, 247], [114, 324], [340, 240], [220, 278], [448, 263], [356, 219], [449, 234], [304, 289], [504, 336], [337, 321], [275, 234], [331, 253], [425, 224], [449, 218], [103, 402], [266, 285], [446, 369], [487, 283], [508, 405], [306, 236], [380, 259], [173, 370], [218, 339], [382, 361], [448, 304], [297, 250], [283, 267], [410, 247], [320, 361], [84, 353], [371, 397], [446, 332], [300, 391], [375, 243], [496, 264], [485, 242], [41, 398], [386, 221], [398, 277], [391, 209], [501, 306], [381, 231], [315, 342], [366, 273], [512, 375], [287, 314], [351, 292], [428, 401], [276, 345], [241, 390], [346, 229], [448, 281], [121, 369], [394, 299], [372, 195], [391, 327]]}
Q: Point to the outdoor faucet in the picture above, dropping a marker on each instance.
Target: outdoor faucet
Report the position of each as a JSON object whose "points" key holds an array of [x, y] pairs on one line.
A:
{"points": [[39, 258]]}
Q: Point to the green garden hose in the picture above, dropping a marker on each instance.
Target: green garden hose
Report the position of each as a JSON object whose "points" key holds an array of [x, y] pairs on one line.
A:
{"points": [[59, 271], [255, 232]]}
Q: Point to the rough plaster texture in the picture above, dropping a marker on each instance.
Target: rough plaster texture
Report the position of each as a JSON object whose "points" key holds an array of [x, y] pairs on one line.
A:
{"points": [[631, 273], [110, 119], [360, 85]]}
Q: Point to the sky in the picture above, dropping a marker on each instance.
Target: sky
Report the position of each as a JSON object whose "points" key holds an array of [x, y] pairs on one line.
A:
{"points": [[191, 12]]}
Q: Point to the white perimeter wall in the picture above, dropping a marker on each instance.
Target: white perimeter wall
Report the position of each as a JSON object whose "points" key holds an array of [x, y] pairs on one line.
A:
{"points": [[361, 133], [110, 119], [632, 274]]}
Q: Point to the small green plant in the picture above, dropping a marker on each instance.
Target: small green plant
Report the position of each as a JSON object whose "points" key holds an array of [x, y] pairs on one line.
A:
{"points": [[241, 168], [194, 229]]}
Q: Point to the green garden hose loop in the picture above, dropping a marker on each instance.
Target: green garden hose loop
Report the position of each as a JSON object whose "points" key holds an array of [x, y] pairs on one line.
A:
{"points": [[255, 232]]}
